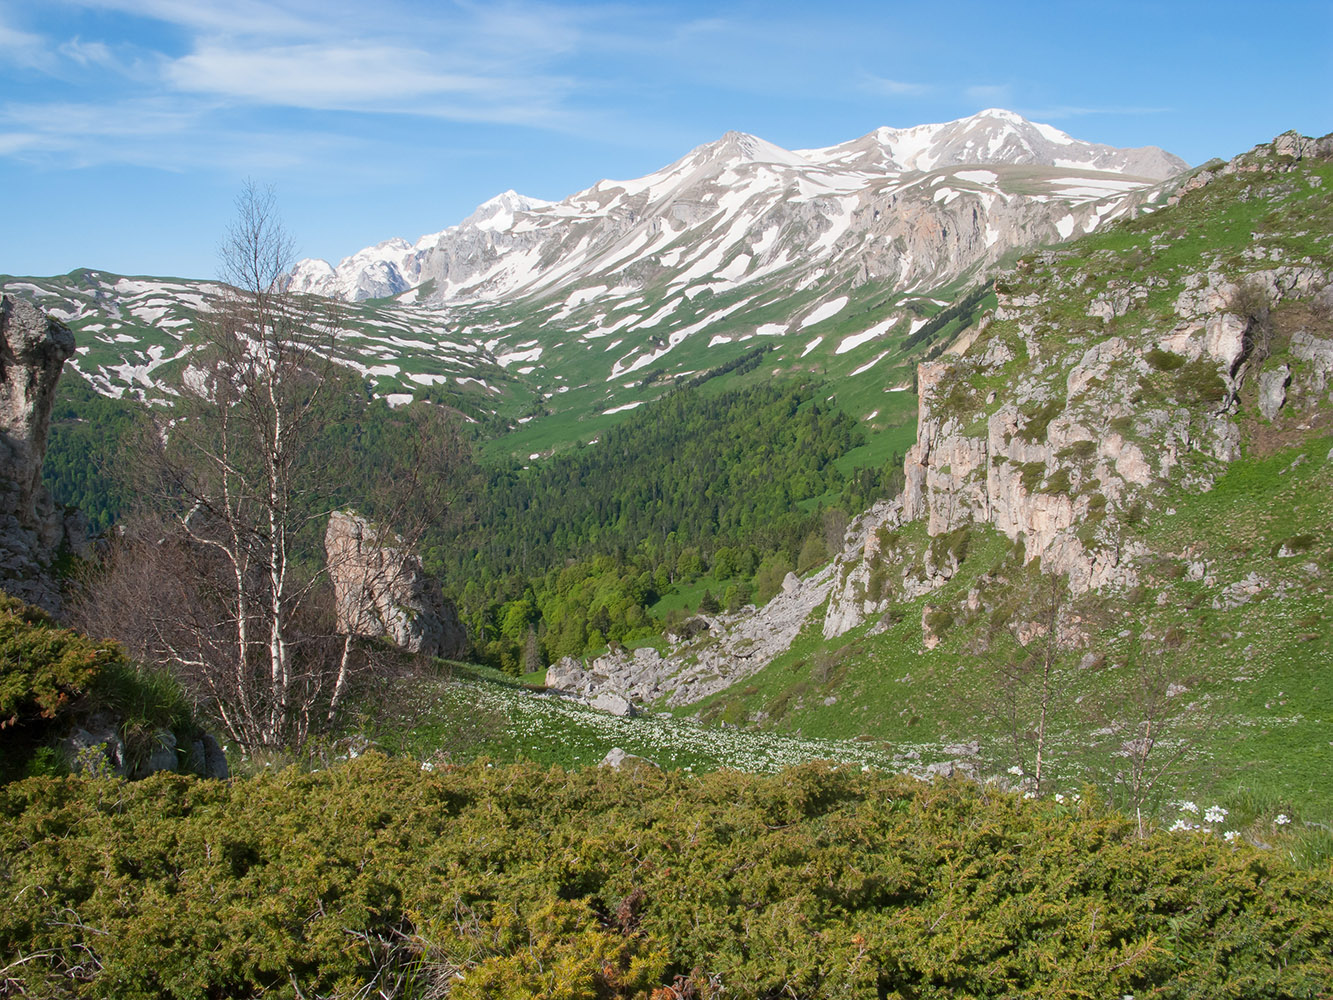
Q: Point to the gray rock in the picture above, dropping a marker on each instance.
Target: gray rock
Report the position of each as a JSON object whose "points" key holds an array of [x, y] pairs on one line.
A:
{"points": [[567, 675], [96, 750], [33, 350], [207, 760], [618, 758], [380, 589], [1273, 390], [161, 756], [609, 701]]}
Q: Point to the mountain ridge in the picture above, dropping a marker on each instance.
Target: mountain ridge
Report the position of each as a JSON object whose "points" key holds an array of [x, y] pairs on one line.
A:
{"points": [[737, 161]]}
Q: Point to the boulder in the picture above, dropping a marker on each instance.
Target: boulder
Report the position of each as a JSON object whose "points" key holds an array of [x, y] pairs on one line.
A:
{"points": [[618, 758], [380, 589], [207, 760], [1273, 390], [616, 704]]}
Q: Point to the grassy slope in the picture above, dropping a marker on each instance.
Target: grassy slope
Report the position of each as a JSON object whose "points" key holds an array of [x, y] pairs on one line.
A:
{"points": [[1260, 669]]}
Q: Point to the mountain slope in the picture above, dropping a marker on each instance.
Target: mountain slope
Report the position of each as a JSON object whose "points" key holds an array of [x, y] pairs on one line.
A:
{"points": [[730, 195], [556, 317], [1122, 474]]}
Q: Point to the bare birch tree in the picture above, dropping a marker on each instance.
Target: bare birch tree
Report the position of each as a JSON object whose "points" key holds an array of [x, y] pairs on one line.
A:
{"points": [[1030, 689], [237, 491]]}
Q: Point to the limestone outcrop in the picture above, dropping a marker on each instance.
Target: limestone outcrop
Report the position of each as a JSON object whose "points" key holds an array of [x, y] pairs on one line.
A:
{"points": [[381, 589], [1058, 433], [33, 350]]}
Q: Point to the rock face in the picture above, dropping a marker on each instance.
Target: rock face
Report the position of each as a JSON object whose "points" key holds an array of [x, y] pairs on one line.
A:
{"points": [[1083, 423], [380, 589], [33, 350]]}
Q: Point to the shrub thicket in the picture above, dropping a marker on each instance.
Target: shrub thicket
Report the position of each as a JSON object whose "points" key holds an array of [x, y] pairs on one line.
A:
{"points": [[519, 882]]}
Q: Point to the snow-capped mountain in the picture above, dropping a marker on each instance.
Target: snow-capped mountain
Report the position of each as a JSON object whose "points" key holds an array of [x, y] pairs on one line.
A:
{"points": [[842, 262], [741, 209], [993, 136]]}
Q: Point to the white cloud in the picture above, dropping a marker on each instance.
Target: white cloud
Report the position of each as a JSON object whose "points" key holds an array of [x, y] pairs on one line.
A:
{"points": [[1075, 111], [371, 77], [893, 88], [992, 94]]}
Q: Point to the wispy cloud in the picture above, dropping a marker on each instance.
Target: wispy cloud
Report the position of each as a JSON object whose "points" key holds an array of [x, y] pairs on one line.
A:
{"points": [[994, 94], [893, 88], [360, 77], [1077, 111]]}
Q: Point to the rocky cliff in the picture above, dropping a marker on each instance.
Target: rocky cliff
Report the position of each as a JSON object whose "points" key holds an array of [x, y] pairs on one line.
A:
{"points": [[33, 534], [1109, 374]]}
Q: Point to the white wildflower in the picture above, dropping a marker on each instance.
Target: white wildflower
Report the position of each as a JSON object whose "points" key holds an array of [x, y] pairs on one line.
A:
{"points": [[1215, 814], [1059, 798], [1182, 826], [427, 766], [1016, 770], [1189, 807], [1029, 795], [1231, 836], [1282, 819]]}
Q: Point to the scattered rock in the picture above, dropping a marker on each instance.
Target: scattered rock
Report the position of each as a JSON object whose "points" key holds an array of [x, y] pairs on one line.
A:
{"points": [[1241, 592], [1273, 390], [618, 758]]}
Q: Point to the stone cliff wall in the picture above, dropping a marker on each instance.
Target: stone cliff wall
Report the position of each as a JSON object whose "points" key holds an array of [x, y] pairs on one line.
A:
{"points": [[1077, 405], [33, 350]]}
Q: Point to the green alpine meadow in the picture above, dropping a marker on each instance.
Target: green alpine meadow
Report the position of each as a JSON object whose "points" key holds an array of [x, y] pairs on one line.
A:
{"points": [[836, 559]]}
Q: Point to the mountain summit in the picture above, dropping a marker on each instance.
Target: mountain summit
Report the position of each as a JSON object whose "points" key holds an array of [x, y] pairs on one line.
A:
{"points": [[993, 136], [628, 233]]}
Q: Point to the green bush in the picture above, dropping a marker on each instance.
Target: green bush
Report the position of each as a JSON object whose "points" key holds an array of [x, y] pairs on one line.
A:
{"points": [[1199, 382], [43, 667], [1163, 361], [52, 676], [375, 878]]}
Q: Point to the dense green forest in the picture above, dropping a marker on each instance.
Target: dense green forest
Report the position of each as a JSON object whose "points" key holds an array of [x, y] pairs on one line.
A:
{"points": [[569, 554], [574, 550], [88, 435]]}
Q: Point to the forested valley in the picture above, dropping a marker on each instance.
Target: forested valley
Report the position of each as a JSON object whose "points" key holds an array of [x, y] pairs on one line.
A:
{"points": [[733, 488]]}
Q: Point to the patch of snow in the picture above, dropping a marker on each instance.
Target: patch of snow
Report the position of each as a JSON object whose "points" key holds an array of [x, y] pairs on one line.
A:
{"points": [[1052, 134], [1065, 227], [977, 176], [397, 399], [661, 314], [869, 365], [505, 360], [857, 339], [824, 311], [736, 268], [812, 345], [771, 329], [626, 406]]}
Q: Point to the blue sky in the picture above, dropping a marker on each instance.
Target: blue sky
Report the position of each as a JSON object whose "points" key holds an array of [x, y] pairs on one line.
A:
{"points": [[127, 127]]}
